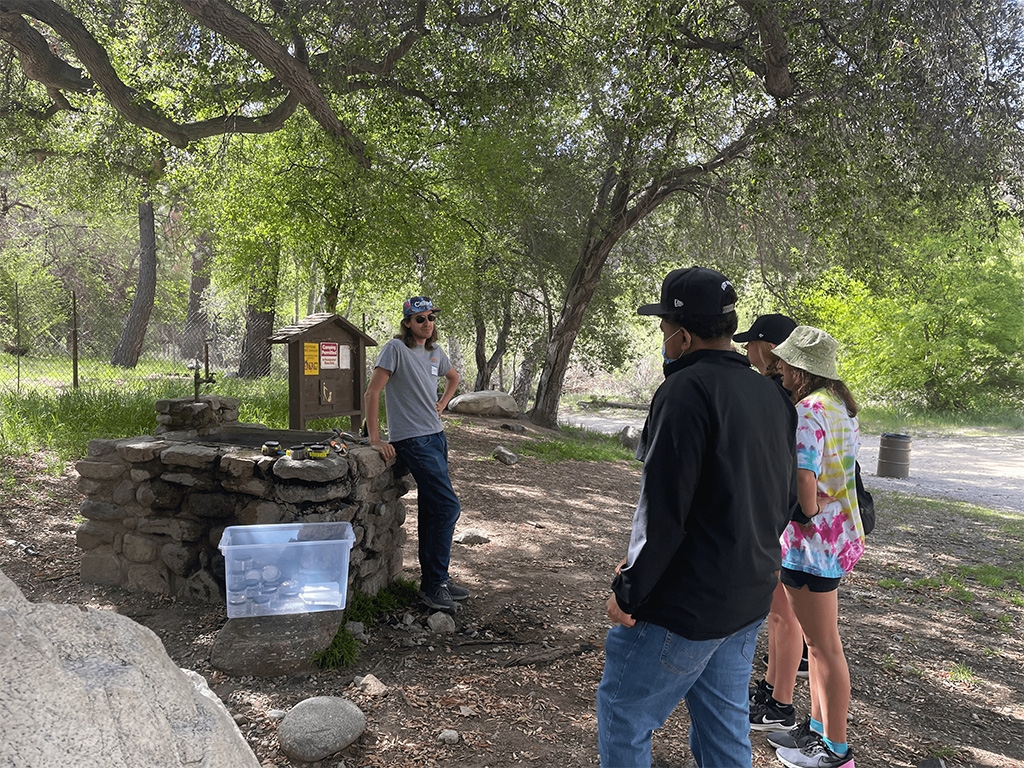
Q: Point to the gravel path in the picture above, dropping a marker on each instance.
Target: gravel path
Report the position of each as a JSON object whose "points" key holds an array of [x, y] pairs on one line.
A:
{"points": [[981, 467]]}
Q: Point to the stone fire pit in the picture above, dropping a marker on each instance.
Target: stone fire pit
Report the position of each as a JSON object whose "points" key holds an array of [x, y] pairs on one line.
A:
{"points": [[156, 505]]}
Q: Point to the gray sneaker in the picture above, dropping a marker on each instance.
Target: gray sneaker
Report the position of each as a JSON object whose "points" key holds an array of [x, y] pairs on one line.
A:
{"points": [[798, 738], [458, 593], [440, 599]]}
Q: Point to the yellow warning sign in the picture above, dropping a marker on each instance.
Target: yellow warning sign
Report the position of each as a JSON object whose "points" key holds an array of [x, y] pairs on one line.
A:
{"points": [[311, 359]]}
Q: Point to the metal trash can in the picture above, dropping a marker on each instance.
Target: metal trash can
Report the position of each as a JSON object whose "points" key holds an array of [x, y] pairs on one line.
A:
{"points": [[894, 456]]}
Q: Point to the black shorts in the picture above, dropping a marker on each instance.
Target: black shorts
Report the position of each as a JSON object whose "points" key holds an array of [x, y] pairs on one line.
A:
{"points": [[797, 579]]}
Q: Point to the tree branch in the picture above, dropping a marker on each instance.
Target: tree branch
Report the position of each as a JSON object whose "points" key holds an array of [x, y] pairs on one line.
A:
{"points": [[242, 30], [41, 65], [778, 80]]}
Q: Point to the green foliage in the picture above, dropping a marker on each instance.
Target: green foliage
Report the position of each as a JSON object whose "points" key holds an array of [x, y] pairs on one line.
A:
{"points": [[344, 650], [961, 673], [947, 340]]}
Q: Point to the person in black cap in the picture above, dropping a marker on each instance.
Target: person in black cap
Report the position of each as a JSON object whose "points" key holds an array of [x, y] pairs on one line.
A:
{"points": [[765, 333], [719, 471], [409, 367], [771, 697]]}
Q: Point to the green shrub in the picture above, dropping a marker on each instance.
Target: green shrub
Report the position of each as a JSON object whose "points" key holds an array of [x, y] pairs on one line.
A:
{"points": [[344, 650]]}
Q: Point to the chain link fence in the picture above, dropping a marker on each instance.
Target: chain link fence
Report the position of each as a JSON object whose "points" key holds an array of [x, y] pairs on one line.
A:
{"points": [[55, 342]]}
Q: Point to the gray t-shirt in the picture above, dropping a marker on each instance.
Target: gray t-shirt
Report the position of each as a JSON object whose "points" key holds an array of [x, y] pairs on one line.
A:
{"points": [[411, 393]]}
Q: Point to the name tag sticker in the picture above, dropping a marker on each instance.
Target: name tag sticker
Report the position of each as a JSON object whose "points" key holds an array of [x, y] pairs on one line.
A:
{"points": [[433, 370]]}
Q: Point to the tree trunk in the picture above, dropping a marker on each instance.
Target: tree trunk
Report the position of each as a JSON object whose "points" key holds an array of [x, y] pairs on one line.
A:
{"points": [[617, 209], [330, 296], [129, 346], [485, 366], [197, 322], [457, 360], [259, 316], [579, 293], [522, 389]]}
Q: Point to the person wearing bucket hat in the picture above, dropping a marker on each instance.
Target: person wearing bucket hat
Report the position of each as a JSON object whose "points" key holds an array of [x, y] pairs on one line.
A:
{"points": [[719, 472], [407, 371], [822, 543]]}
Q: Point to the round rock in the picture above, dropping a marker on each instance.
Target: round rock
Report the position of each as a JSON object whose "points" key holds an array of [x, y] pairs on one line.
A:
{"points": [[318, 727]]}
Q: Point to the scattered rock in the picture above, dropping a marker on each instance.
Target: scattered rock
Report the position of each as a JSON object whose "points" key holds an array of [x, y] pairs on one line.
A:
{"points": [[471, 536], [629, 436], [932, 762], [276, 714], [488, 403], [504, 455], [408, 619], [371, 686], [357, 629], [318, 727], [448, 736], [441, 623]]}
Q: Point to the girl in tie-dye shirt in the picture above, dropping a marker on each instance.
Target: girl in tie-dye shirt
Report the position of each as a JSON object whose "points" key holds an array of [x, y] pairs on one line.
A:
{"points": [[824, 541], [827, 441]]}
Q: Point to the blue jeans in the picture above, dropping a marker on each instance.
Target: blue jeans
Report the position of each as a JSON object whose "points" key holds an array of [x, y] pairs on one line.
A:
{"points": [[649, 670], [438, 506]]}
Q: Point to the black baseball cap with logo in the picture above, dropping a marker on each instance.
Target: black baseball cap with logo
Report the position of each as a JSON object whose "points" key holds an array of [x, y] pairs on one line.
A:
{"points": [[774, 329], [693, 291]]}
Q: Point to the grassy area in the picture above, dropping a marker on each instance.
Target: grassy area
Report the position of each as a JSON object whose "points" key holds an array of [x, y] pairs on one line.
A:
{"points": [[51, 416], [880, 420], [576, 444], [63, 421]]}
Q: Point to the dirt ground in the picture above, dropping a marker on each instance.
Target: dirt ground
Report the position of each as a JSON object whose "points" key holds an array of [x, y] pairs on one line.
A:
{"points": [[936, 656]]}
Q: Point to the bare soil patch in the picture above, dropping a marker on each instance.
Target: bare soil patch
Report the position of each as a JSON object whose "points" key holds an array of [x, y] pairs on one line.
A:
{"points": [[936, 655]]}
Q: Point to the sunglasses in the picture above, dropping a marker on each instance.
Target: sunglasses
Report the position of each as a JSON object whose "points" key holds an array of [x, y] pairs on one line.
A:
{"points": [[421, 319]]}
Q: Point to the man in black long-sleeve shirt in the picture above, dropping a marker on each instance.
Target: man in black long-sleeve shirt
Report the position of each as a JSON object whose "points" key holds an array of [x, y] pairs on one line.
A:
{"points": [[718, 481]]}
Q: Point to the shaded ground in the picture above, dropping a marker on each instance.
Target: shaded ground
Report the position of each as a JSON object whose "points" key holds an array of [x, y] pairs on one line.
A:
{"points": [[935, 644]]}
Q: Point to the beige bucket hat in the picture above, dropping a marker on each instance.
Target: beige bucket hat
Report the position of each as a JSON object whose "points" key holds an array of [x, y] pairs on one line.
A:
{"points": [[811, 350]]}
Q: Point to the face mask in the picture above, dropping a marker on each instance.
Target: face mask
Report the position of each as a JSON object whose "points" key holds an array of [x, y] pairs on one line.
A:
{"points": [[665, 357]]}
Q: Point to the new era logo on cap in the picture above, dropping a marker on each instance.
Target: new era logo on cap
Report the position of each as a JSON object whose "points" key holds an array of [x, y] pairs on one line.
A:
{"points": [[693, 291]]}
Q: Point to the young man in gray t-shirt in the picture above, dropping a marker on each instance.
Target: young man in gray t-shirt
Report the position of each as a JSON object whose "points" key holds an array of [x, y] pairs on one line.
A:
{"points": [[407, 371]]}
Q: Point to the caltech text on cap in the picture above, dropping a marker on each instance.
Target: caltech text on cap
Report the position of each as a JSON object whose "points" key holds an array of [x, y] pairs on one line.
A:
{"points": [[417, 304]]}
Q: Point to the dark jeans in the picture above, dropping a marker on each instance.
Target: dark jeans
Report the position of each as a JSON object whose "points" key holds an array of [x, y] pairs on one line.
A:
{"points": [[438, 506]]}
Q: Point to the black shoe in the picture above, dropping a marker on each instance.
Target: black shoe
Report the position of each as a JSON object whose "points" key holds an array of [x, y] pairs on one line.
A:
{"points": [[772, 716], [440, 599], [798, 738], [760, 692], [458, 593]]}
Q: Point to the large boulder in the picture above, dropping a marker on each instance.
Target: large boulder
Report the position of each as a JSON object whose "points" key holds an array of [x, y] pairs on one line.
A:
{"points": [[93, 689], [487, 403]]}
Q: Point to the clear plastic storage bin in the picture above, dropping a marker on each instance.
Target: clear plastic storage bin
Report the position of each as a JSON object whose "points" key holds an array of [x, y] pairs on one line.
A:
{"points": [[286, 568]]}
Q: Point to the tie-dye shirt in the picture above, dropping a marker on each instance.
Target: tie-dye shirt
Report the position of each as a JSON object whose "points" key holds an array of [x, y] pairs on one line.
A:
{"points": [[827, 441]]}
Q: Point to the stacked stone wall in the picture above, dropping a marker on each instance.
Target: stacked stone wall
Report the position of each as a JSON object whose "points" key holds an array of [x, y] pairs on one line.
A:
{"points": [[156, 506]]}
